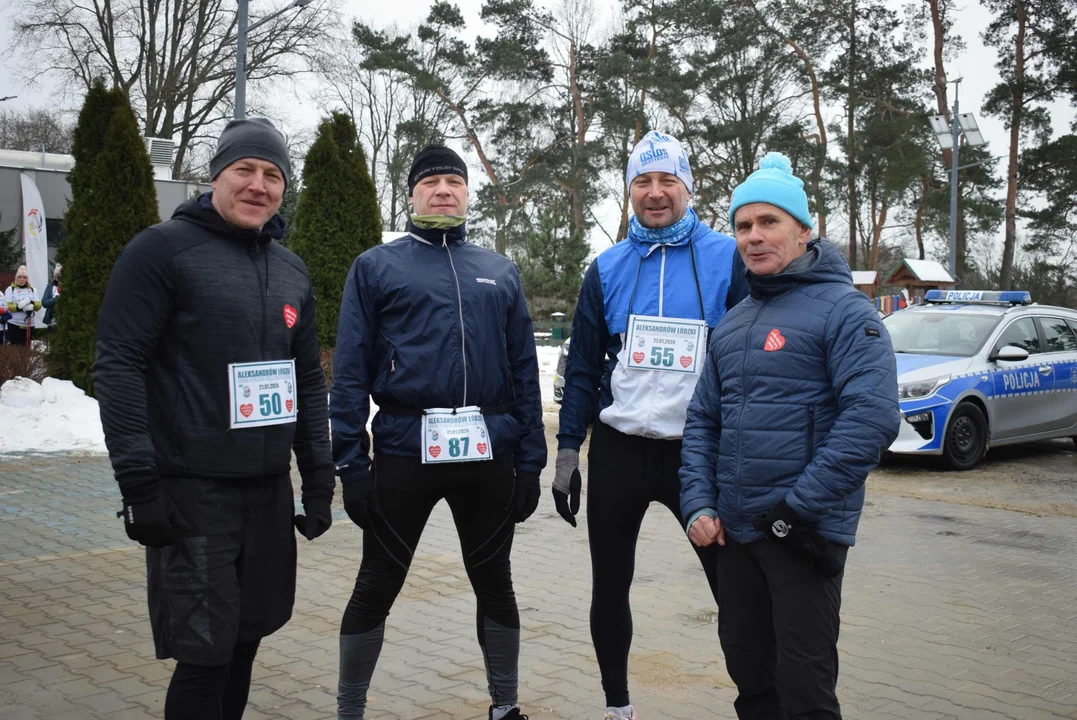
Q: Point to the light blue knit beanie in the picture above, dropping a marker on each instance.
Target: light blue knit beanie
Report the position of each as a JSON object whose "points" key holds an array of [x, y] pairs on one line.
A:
{"points": [[773, 183]]}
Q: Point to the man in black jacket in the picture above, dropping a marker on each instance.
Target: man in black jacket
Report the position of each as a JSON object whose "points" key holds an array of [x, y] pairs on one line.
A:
{"points": [[207, 382]]}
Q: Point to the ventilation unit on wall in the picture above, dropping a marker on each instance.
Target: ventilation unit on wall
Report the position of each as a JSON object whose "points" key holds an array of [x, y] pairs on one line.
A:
{"points": [[160, 150]]}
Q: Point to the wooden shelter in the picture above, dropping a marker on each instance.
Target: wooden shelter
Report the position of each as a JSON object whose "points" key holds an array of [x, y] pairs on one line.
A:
{"points": [[866, 281], [916, 277]]}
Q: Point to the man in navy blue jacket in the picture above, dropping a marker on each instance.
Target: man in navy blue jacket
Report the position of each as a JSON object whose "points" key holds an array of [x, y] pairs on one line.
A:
{"points": [[435, 330], [796, 402]]}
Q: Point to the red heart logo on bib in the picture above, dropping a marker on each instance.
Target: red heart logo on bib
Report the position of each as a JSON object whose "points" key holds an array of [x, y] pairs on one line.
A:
{"points": [[686, 360], [637, 357], [288, 404], [290, 315], [246, 410], [434, 450], [775, 341], [481, 447]]}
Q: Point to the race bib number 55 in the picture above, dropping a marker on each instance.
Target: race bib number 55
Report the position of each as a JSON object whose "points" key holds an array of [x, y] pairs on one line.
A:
{"points": [[665, 344], [261, 393], [455, 437]]}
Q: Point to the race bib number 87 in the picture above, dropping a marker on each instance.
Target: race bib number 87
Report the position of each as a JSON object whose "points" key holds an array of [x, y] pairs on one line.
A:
{"points": [[261, 393], [455, 437]]}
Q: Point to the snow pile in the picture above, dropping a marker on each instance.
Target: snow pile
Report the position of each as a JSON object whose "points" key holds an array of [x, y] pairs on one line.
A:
{"points": [[547, 362], [52, 416]]}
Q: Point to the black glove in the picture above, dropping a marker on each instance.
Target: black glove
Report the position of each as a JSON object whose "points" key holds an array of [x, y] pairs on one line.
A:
{"points": [[783, 525], [146, 522], [318, 518], [359, 500], [527, 495]]}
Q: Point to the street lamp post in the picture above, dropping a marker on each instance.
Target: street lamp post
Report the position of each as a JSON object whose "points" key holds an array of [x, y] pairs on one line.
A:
{"points": [[948, 133], [241, 49]]}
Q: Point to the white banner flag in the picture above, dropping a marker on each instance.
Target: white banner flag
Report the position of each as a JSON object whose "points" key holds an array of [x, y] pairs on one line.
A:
{"points": [[33, 236]]}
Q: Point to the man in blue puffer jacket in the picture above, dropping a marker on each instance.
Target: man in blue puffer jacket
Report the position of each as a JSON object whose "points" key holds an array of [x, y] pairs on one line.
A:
{"points": [[796, 402], [638, 346], [435, 330]]}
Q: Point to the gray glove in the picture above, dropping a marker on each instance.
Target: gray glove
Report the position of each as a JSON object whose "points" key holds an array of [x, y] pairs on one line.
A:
{"points": [[567, 484]]}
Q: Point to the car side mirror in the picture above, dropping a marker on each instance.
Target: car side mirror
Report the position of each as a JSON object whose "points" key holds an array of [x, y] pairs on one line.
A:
{"points": [[1010, 353]]}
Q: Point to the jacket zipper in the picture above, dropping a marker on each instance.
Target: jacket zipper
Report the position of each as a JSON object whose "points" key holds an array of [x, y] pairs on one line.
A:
{"points": [[661, 309], [811, 433], [392, 369], [264, 296], [743, 407], [662, 284], [265, 321], [460, 309]]}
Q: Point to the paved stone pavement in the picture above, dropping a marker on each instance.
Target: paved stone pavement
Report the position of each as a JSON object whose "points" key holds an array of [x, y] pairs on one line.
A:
{"points": [[950, 611]]}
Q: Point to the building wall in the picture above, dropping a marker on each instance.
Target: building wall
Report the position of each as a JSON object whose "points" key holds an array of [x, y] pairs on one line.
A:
{"points": [[56, 195]]}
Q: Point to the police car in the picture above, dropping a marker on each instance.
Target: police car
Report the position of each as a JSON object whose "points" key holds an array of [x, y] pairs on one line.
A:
{"points": [[978, 369], [559, 374]]}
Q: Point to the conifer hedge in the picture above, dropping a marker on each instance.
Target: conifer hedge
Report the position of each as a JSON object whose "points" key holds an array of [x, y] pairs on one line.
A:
{"points": [[337, 217], [112, 200]]}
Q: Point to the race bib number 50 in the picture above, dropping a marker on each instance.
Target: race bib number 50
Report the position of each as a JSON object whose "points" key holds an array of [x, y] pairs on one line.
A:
{"points": [[261, 393], [455, 437], [665, 344]]}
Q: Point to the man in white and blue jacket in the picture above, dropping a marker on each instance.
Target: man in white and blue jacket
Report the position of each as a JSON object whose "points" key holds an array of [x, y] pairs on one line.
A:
{"points": [[638, 343], [797, 400]]}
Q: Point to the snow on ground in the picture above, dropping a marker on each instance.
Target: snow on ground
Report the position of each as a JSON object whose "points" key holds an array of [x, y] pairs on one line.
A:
{"points": [[547, 361], [57, 416], [52, 416]]}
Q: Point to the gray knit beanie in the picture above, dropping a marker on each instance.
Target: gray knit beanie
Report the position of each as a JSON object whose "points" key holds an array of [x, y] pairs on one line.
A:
{"points": [[251, 138]]}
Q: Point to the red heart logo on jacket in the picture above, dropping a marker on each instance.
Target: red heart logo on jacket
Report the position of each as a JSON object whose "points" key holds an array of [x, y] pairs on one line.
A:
{"points": [[434, 450], [637, 357], [288, 404], [290, 315], [481, 447], [246, 410], [775, 341], [686, 360]]}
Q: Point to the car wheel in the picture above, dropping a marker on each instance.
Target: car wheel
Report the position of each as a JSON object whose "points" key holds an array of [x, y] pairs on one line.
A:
{"points": [[966, 438]]}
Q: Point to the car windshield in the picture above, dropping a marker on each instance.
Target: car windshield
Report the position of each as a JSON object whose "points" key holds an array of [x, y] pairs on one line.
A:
{"points": [[939, 333]]}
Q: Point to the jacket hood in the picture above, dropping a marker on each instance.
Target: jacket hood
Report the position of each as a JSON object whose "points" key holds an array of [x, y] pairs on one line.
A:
{"points": [[829, 266], [200, 211]]}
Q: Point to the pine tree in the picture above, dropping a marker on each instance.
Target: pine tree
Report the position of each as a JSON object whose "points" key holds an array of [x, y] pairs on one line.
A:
{"points": [[115, 200], [1036, 67], [551, 261], [10, 249], [337, 217]]}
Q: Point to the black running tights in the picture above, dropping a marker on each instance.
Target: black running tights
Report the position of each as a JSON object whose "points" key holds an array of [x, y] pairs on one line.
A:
{"points": [[212, 692], [626, 474]]}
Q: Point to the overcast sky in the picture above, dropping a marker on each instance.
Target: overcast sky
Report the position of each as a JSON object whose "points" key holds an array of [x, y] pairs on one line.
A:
{"points": [[976, 65]]}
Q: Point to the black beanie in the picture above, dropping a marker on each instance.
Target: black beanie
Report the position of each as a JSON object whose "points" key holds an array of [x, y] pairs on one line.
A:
{"points": [[251, 138], [435, 160]]}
